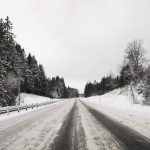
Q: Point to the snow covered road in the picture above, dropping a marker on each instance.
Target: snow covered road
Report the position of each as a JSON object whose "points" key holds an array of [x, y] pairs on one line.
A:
{"points": [[127, 137], [68, 125], [33, 130]]}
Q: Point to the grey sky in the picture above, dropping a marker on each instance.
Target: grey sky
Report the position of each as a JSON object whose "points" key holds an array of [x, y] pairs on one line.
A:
{"points": [[80, 40]]}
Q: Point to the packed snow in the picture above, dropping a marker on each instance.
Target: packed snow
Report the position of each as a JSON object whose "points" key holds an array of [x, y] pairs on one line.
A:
{"points": [[34, 130], [119, 105], [97, 137]]}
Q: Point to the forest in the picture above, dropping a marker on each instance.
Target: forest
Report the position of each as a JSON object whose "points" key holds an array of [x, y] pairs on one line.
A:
{"points": [[22, 73]]}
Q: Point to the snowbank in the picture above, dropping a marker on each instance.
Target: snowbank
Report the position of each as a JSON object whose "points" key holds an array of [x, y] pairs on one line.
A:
{"points": [[121, 97], [26, 99], [118, 105]]}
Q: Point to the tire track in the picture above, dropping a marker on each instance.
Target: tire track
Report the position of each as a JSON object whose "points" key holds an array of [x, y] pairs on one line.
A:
{"points": [[35, 129], [129, 138], [71, 134], [97, 136]]}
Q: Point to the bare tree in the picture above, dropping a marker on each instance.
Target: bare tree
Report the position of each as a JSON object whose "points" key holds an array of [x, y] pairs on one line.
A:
{"points": [[135, 58]]}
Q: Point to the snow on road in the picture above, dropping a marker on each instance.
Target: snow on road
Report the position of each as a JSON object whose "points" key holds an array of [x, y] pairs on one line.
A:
{"points": [[34, 130], [119, 106], [70, 125], [97, 137], [38, 130], [81, 131]]}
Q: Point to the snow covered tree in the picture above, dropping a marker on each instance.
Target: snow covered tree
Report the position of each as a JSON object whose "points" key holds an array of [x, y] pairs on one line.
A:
{"points": [[9, 35], [125, 76], [28, 82], [43, 81], [135, 60], [147, 86], [22, 65], [30, 76], [71, 92]]}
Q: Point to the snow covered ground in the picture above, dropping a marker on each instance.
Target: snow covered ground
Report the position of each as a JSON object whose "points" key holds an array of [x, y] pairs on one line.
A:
{"points": [[34, 130], [70, 124], [26, 99], [118, 105], [97, 137], [38, 130]]}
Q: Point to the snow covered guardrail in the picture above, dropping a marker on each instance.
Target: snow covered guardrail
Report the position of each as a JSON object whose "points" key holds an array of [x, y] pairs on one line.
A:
{"points": [[18, 108]]}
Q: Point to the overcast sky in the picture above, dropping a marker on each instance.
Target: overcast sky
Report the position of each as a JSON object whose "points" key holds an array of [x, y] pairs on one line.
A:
{"points": [[80, 40]]}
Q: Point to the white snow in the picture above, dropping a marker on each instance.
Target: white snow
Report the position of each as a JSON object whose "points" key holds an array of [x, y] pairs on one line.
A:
{"points": [[27, 99], [119, 106], [118, 98], [97, 137], [34, 130]]}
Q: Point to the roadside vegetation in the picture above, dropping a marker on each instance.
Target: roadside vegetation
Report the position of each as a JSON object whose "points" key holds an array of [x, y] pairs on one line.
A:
{"points": [[21, 73], [134, 72]]}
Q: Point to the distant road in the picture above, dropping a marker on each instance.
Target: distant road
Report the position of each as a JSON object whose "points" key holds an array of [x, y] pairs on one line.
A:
{"points": [[68, 125]]}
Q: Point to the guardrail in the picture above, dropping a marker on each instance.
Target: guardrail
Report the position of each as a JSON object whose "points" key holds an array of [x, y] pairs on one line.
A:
{"points": [[26, 107]]}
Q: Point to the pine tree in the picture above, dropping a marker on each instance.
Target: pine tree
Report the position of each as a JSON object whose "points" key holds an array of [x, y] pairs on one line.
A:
{"points": [[29, 82], [147, 86], [30, 76], [43, 80], [22, 66], [8, 32]]}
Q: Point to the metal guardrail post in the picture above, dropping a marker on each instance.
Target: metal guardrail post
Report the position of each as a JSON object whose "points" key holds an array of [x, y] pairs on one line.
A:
{"points": [[18, 108], [7, 110]]}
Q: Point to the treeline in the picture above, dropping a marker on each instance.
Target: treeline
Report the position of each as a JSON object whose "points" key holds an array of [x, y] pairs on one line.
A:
{"points": [[21, 73], [134, 71], [107, 84]]}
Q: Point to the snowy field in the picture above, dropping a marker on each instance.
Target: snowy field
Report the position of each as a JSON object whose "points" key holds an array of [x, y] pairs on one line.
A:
{"points": [[27, 99], [118, 105]]}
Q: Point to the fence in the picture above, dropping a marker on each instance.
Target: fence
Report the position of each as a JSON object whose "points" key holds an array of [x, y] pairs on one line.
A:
{"points": [[9, 109]]}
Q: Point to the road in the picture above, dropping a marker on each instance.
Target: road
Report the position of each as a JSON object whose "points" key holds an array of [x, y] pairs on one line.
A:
{"points": [[68, 125]]}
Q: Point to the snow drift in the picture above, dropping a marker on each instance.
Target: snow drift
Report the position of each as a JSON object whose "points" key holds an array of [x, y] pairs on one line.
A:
{"points": [[26, 99]]}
